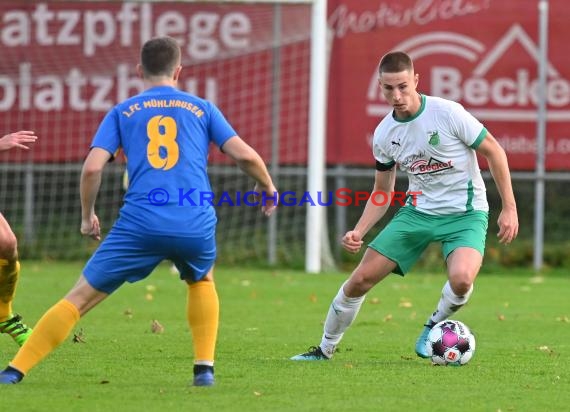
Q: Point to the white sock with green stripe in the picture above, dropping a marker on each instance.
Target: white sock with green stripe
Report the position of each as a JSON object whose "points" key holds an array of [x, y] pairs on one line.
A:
{"points": [[341, 314], [449, 303]]}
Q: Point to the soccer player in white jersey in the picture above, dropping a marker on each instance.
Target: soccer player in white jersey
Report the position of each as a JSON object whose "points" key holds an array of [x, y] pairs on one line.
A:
{"points": [[435, 142]]}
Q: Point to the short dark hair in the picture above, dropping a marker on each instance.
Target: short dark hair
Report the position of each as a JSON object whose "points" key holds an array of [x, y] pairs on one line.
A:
{"points": [[160, 56], [395, 62]]}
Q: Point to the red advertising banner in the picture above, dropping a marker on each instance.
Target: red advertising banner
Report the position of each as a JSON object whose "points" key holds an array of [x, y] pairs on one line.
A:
{"points": [[481, 53], [64, 64]]}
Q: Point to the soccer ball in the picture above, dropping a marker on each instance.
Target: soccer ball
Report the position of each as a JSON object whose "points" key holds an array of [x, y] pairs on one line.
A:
{"points": [[450, 342]]}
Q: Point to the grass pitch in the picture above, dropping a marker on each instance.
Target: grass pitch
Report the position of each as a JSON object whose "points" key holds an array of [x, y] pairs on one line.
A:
{"points": [[521, 322]]}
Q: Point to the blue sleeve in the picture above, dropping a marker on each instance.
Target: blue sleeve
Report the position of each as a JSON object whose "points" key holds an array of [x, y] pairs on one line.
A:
{"points": [[219, 128], [108, 135]]}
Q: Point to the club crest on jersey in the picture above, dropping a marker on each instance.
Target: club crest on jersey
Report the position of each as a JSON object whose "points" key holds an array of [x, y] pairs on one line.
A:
{"points": [[433, 138], [432, 165]]}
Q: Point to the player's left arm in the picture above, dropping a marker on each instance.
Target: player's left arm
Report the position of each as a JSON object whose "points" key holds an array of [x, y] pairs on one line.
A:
{"points": [[253, 165], [89, 188], [22, 139], [499, 167]]}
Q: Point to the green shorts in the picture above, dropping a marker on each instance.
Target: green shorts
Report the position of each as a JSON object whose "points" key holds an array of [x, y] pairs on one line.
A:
{"points": [[410, 232]]}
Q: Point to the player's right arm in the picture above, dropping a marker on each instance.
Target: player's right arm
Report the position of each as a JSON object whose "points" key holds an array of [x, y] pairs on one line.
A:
{"points": [[253, 165], [105, 143], [89, 187], [18, 139], [383, 182]]}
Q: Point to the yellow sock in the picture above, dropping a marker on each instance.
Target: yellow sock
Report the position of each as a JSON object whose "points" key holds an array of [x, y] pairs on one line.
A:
{"points": [[9, 273], [203, 310], [52, 329]]}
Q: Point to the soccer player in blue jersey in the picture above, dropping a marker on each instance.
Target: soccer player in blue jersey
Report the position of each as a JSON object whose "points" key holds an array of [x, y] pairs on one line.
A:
{"points": [[165, 134], [11, 323], [434, 141]]}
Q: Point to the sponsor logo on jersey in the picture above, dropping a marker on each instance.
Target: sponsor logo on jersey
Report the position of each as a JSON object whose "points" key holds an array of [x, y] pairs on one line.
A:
{"points": [[432, 165]]}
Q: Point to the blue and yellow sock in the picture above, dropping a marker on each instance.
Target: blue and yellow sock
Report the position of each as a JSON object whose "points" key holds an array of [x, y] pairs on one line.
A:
{"points": [[9, 274], [51, 330], [203, 310]]}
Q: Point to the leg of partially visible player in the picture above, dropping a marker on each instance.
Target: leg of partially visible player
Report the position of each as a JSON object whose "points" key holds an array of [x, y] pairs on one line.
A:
{"points": [[9, 274], [345, 306], [203, 310], [52, 329], [463, 265]]}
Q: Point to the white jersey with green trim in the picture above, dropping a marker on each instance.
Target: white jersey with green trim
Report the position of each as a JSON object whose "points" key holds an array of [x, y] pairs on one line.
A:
{"points": [[436, 149]]}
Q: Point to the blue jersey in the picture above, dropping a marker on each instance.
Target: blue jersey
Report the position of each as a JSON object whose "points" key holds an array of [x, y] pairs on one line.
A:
{"points": [[165, 134]]}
